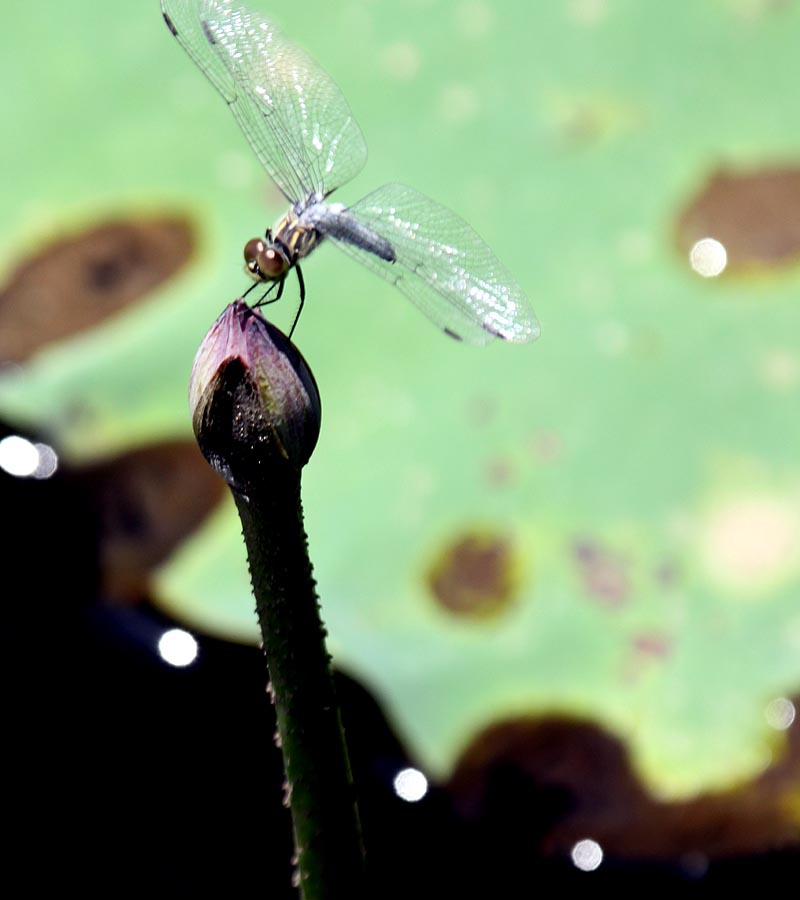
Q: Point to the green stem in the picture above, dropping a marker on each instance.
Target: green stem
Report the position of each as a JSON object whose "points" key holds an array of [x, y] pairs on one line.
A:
{"points": [[327, 833]]}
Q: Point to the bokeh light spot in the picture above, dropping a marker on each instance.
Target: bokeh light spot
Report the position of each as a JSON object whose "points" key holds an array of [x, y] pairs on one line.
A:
{"points": [[751, 541], [587, 855], [708, 257], [48, 462], [410, 785], [780, 713], [178, 647], [18, 456]]}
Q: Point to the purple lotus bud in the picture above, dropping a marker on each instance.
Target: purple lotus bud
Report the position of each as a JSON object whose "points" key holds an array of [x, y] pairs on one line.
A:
{"points": [[255, 405]]}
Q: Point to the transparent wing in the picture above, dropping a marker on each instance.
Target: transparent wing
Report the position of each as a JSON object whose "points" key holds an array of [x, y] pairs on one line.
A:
{"points": [[441, 264], [294, 116]]}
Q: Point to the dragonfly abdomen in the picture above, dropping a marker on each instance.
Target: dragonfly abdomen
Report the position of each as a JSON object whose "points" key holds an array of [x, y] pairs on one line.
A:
{"points": [[339, 223]]}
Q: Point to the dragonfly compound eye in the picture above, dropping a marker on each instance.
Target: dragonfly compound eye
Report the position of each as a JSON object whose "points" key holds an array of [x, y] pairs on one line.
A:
{"points": [[252, 249], [263, 261], [271, 263]]}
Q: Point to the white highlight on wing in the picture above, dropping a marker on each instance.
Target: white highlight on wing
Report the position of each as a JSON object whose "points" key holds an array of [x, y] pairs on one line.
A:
{"points": [[444, 267], [291, 111]]}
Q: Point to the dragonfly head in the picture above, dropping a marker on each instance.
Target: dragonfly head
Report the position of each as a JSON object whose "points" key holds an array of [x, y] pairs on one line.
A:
{"points": [[264, 261]]}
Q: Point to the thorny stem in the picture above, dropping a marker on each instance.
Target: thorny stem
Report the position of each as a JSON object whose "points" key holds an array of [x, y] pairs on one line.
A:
{"points": [[319, 782]]}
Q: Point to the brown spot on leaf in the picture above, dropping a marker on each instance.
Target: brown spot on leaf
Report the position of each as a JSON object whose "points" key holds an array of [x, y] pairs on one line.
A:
{"points": [[77, 281], [560, 779], [570, 757], [754, 215], [475, 576], [146, 502], [603, 572]]}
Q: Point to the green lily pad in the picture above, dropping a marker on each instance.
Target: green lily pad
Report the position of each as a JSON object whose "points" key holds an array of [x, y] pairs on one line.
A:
{"points": [[606, 523]]}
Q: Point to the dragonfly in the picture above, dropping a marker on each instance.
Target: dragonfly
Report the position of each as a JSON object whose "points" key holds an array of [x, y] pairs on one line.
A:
{"points": [[303, 132]]}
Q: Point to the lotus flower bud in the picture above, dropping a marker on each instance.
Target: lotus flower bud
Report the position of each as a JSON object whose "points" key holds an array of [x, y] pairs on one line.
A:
{"points": [[255, 406]]}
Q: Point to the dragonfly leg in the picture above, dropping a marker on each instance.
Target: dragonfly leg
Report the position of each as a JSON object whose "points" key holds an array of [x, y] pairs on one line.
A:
{"points": [[302, 299], [262, 301], [251, 288]]}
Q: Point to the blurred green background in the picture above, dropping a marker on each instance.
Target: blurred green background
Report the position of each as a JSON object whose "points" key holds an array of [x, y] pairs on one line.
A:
{"points": [[605, 523]]}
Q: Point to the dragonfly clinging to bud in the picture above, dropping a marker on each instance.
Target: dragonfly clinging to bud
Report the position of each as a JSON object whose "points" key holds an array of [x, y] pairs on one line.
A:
{"points": [[302, 130]]}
